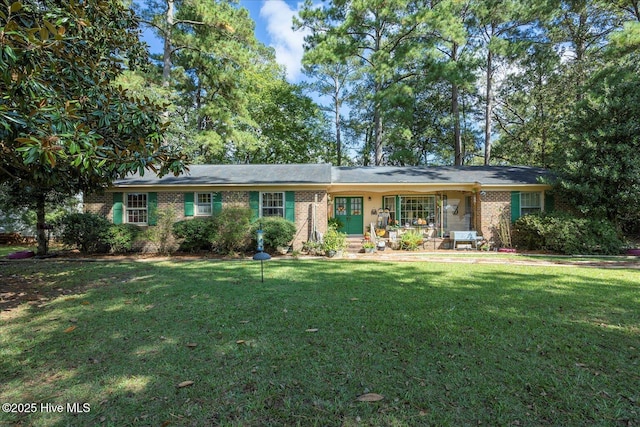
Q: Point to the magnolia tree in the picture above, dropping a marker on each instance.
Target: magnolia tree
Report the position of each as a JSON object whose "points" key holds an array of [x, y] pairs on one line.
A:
{"points": [[64, 125]]}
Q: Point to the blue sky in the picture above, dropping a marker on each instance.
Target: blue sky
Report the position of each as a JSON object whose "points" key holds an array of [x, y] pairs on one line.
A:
{"points": [[273, 20]]}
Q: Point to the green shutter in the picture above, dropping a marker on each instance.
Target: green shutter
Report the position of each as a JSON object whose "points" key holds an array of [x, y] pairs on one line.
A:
{"points": [[152, 208], [549, 202], [217, 203], [290, 206], [117, 208], [254, 204], [515, 205], [188, 204]]}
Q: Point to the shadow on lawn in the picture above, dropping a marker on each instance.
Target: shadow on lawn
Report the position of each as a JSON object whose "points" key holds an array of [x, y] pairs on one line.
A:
{"points": [[495, 345]]}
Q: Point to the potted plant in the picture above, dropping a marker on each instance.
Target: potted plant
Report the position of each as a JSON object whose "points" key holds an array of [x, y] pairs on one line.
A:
{"points": [[368, 246], [334, 242], [312, 248], [411, 240]]}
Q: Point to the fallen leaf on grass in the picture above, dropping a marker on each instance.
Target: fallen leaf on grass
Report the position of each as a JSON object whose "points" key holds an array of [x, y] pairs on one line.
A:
{"points": [[192, 345], [240, 342], [69, 329], [185, 384], [370, 397], [86, 303]]}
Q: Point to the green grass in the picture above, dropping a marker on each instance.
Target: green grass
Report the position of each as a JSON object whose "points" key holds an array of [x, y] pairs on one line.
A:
{"points": [[444, 343]]}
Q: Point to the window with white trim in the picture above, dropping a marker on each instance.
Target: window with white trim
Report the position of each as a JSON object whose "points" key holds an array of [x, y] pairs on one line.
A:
{"points": [[272, 204], [530, 203], [417, 210], [137, 208], [204, 203]]}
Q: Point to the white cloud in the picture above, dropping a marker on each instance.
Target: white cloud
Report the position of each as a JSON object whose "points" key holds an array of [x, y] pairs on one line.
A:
{"points": [[287, 43]]}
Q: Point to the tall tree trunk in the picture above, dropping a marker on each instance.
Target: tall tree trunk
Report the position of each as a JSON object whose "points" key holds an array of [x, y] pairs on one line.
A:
{"points": [[368, 148], [378, 137], [488, 110], [455, 111], [377, 128], [336, 97], [41, 233], [166, 53], [457, 135]]}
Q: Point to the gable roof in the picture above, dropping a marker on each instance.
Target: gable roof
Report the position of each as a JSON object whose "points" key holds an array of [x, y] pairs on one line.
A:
{"points": [[245, 174], [327, 175], [484, 175]]}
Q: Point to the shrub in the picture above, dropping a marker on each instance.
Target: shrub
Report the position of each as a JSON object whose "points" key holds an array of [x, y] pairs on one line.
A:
{"points": [[84, 231], [411, 240], [232, 230], [312, 248], [334, 240], [566, 234], [196, 234], [160, 235], [120, 237], [278, 232], [335, 223]]}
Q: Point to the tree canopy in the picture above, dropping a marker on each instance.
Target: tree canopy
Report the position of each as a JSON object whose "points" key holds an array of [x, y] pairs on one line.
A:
{"points": [[536, 82], [64, 126]]}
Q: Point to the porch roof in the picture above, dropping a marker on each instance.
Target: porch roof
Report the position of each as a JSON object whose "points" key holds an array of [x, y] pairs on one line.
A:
{"points": [[483, 175]]}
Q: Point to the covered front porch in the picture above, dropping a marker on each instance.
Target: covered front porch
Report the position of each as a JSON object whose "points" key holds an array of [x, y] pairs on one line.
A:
{"points": [[434, 214]]}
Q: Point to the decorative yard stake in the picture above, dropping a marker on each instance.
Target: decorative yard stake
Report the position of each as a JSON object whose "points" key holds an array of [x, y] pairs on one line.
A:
{"points": [[261, 255]]}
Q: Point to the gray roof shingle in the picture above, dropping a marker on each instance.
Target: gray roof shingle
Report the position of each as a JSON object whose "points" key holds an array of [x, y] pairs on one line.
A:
{"points": [[239, 175], [486, 175], [319, 174]]}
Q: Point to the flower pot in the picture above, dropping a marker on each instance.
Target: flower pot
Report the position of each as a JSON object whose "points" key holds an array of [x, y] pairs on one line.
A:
{"points": [[282, 250]]}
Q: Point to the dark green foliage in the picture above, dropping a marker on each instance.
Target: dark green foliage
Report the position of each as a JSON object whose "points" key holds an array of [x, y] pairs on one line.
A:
{"points": [[334, 240], [120, 237], [566, 234], [278, 232], [232, 230], [84, 231], [335, 222], [65, 127], [601, 176], [197, 234]]}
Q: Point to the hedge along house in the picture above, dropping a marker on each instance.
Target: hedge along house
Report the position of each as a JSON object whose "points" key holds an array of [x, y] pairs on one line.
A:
{"points": [[295, 192], [438, 198]]}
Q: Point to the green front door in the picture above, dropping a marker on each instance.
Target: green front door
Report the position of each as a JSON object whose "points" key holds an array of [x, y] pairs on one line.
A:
{"points": [[349, 211]]}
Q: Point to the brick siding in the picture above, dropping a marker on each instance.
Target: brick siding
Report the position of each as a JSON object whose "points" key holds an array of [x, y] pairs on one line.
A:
{"points": [[102, 204], [492, 205], [99, 204], [304, 215]]}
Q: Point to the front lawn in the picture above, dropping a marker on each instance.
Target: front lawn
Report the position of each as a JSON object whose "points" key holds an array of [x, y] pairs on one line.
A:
{"points": [[181, 343]]}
